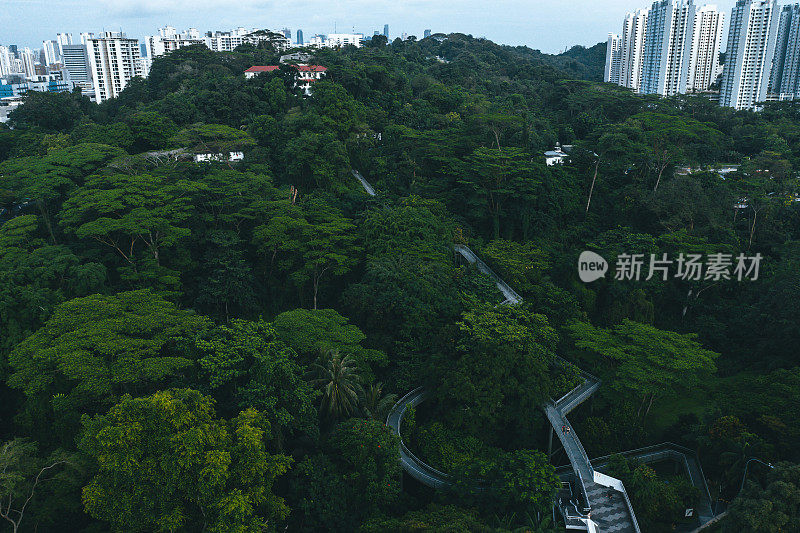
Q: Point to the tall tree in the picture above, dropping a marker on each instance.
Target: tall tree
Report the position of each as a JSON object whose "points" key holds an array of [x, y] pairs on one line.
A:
{"points": [[133, 215], [94, 349], [647, 362], [340, 382], [166, 463], [494, 179], [22, 474], [244, 364]]}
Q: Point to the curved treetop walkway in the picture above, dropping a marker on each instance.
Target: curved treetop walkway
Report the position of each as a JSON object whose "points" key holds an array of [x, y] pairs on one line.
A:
{"points": [[601, 504]]}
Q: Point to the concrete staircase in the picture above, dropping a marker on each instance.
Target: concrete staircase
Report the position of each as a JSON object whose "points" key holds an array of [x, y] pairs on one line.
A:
{"points": [[609, 510]]}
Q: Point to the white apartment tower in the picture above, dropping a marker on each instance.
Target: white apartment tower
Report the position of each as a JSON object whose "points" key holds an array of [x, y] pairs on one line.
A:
{"points": [[27, 58], [226, 41], [613, 58], [114, 62], [704, 66], [168, 40], [671, 48], [750, 53], [5, 61], [634, 31], [785, 78], [52, 52], [667, 48]]}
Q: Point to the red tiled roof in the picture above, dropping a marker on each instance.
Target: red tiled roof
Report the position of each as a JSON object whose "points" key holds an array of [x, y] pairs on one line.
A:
{"points": [[262, 69], [302, 68]]}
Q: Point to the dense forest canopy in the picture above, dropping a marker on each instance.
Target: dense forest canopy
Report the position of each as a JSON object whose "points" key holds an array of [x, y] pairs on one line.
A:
{"points": [[214, 346]]}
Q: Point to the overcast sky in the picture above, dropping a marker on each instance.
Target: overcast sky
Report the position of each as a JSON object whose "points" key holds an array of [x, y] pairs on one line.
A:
{"points": [[549, 25]]}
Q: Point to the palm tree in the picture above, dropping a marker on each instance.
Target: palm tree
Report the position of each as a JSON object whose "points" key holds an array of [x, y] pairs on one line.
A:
{"points": [[340, 383], [376, 406]]}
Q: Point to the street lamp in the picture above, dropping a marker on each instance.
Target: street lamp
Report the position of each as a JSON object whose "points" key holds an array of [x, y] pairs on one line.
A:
{"points": [[748, 464]]}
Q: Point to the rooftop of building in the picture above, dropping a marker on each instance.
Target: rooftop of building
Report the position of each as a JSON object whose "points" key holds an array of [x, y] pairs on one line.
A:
{"points": [[301, 68]]}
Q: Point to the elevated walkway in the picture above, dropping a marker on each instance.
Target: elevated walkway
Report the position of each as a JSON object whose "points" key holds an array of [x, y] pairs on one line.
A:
{"points": [[598, 503], [367, 187]]}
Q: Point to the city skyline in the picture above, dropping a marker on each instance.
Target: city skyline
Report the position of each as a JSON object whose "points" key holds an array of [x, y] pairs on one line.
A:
{"points": [[546, 26]]}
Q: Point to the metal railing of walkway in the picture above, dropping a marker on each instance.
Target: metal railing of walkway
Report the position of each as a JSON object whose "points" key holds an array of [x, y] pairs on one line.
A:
{"points": [[685, 457], [364, 183]]}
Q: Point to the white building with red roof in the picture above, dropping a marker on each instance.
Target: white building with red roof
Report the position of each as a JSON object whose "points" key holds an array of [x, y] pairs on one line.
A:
{"points": [[306, 74]]}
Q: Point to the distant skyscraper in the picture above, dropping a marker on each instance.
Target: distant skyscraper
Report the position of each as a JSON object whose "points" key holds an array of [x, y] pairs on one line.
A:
{"points": [[52, 53], [613, 58], [287, 33], [76, 63], [426, 34], [114, 62], [386, 30], [667, 48], [705, 45], [28, 59], [749, 57], [634, 30], [300, 37], [6, 60], [785, 78]]}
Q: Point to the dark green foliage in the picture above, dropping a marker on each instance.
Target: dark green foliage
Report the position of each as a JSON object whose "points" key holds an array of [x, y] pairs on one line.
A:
{"points": [[48, 111], [771, 506], [245, 365], [94, 349], [166, 462], [358, 476]]}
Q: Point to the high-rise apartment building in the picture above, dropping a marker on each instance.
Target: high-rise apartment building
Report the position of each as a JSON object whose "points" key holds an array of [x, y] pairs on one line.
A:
{"points": [[300, 37], [625, 52], [613, 58], [27, 59], [750, 53], [114, 62], [667, 47], [76, 63], [426, 34], [704, 65], [225, 41], [785, 75], [169, 40], [6, 61], [634, 31], [670, 48], [52, 52], [386, 30]]}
